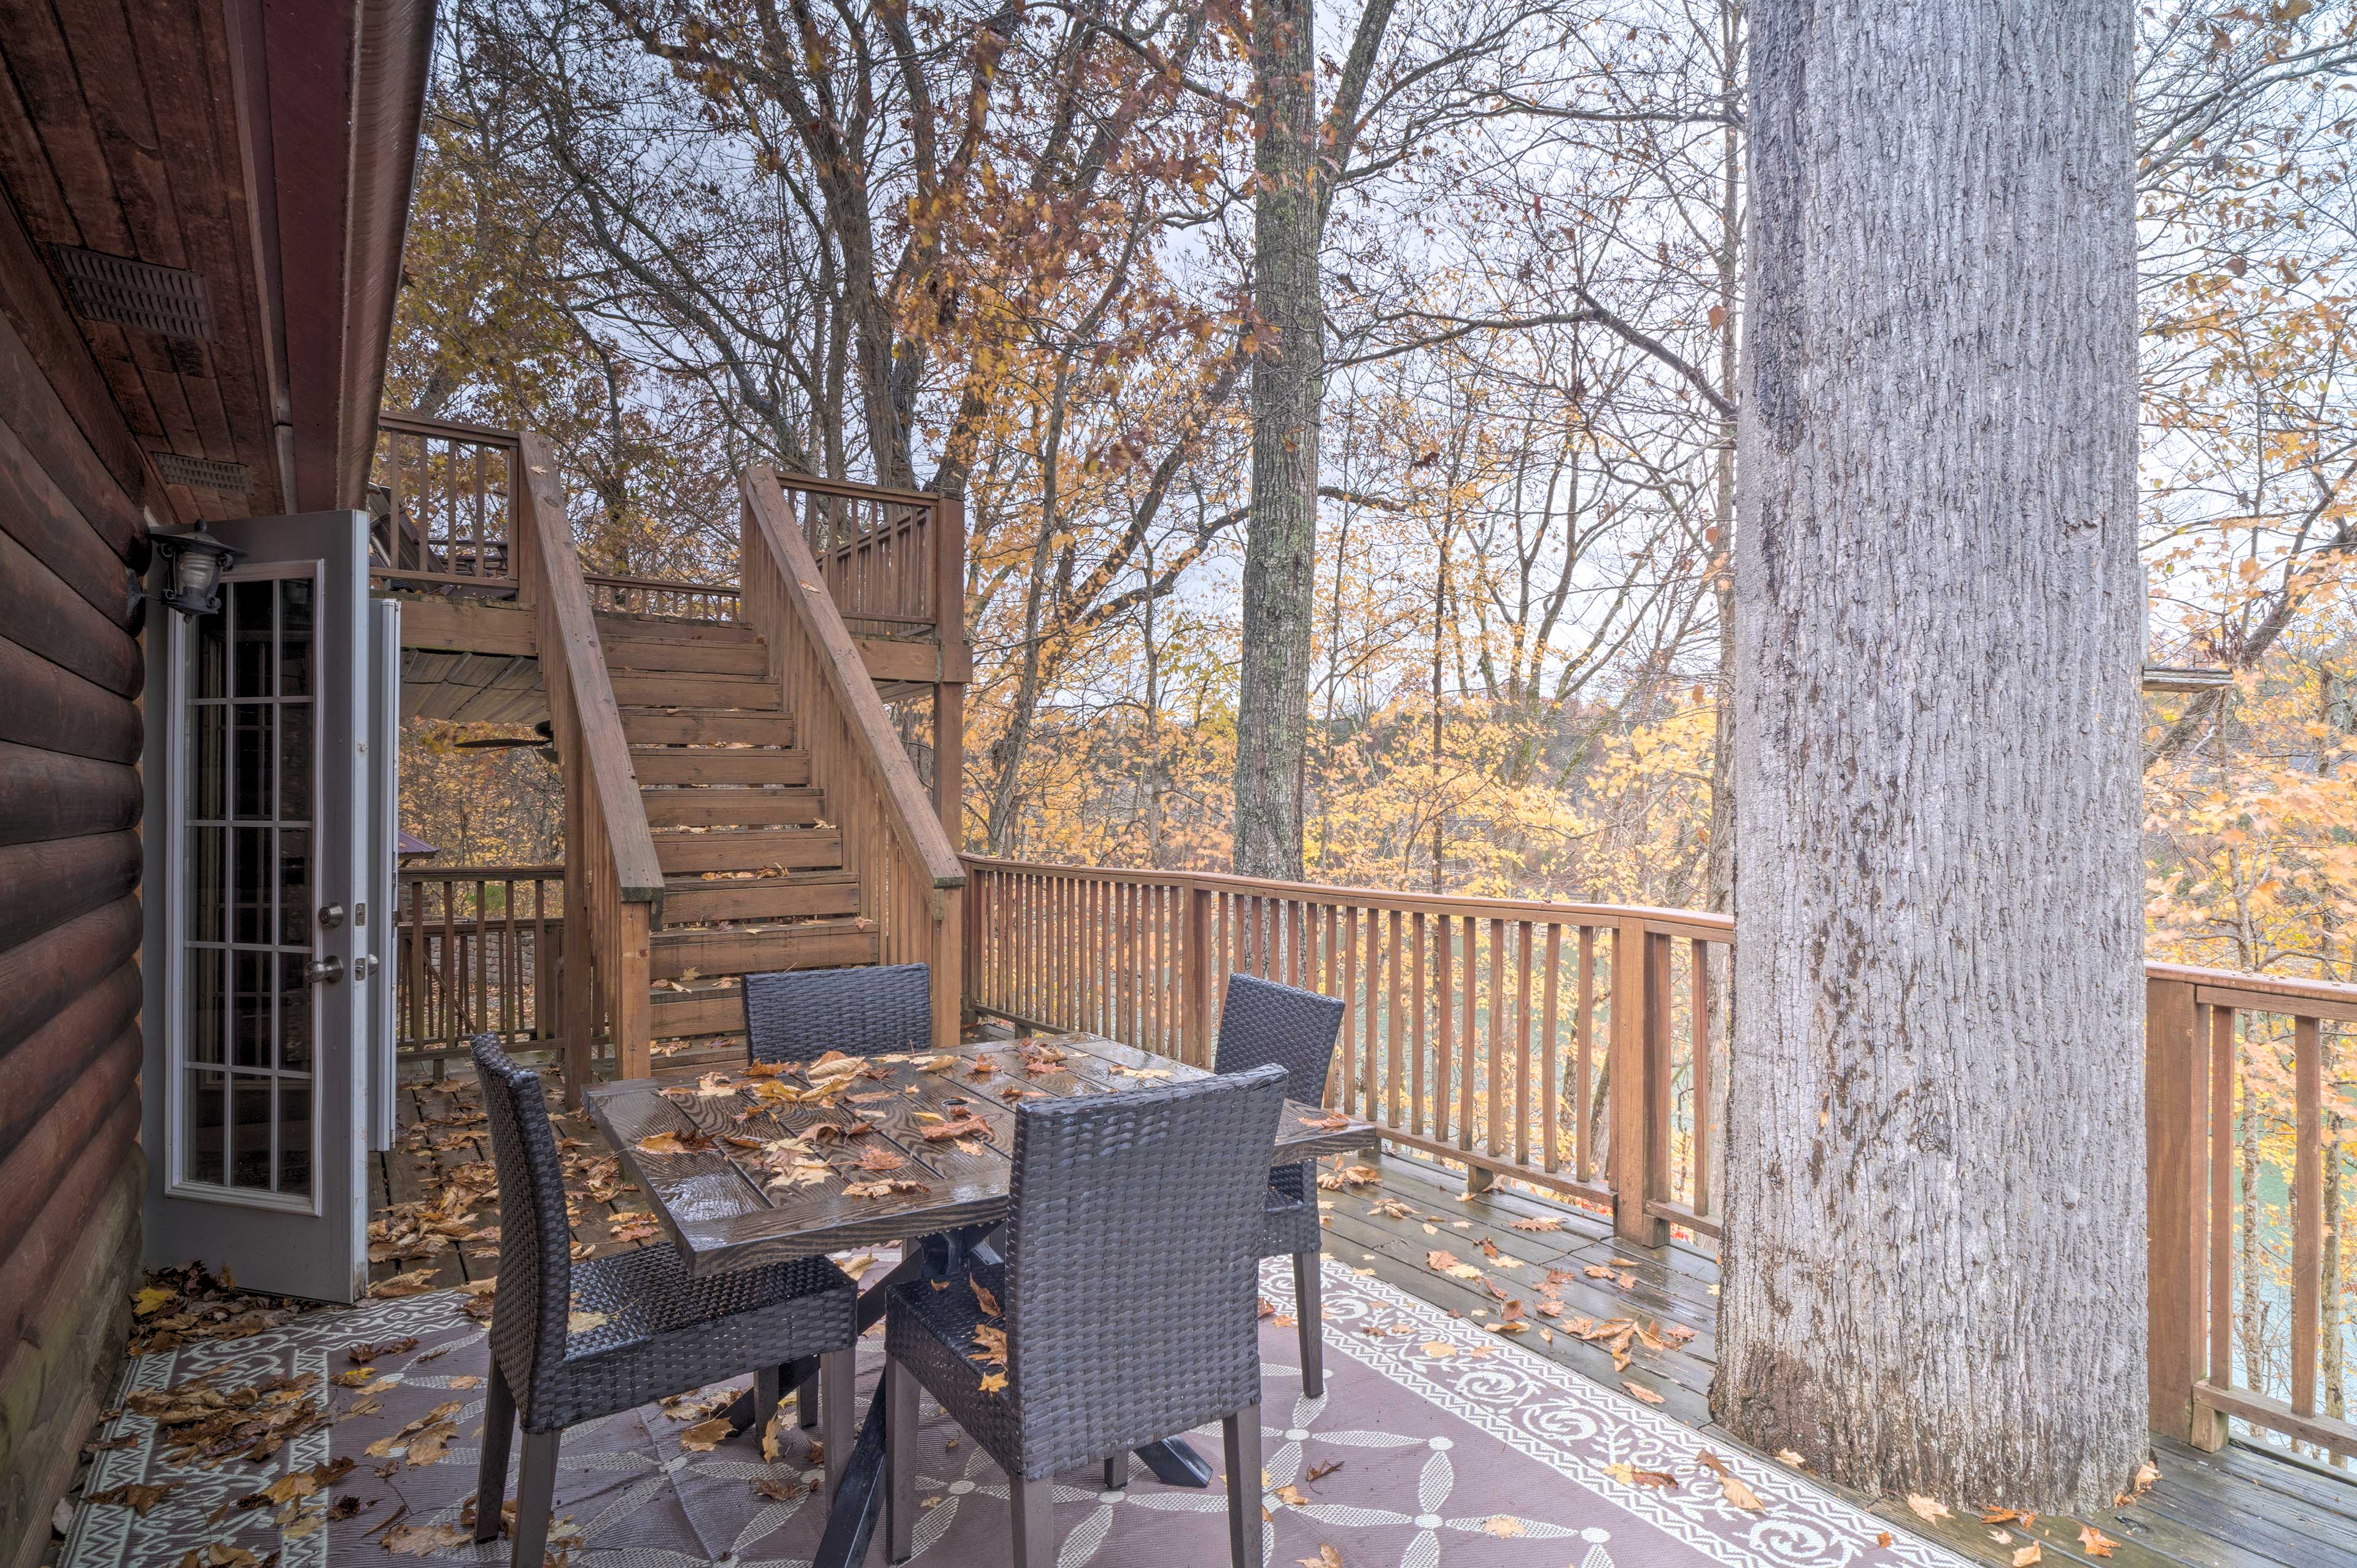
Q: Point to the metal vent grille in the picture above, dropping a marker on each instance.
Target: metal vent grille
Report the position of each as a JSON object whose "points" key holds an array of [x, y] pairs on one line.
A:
{"points": [[162, 300], [204, 473]]}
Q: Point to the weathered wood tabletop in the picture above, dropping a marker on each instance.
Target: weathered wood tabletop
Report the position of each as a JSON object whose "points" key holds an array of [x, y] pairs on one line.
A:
{"points": [[760, 1165]]}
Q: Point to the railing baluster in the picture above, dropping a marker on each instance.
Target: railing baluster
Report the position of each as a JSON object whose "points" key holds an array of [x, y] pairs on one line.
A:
{"points": [[2306, 1211]]}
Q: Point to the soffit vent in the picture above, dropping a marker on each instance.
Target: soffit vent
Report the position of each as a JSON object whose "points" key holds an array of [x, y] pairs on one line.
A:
{"points": [[162, 300], [203, 473]]}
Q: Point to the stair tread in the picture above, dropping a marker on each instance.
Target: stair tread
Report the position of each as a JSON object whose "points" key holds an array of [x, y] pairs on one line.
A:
{"points": [[794, 879]]}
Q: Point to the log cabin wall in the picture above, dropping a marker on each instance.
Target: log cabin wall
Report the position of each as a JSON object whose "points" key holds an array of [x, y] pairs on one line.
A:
{"points": [[72, 669]]}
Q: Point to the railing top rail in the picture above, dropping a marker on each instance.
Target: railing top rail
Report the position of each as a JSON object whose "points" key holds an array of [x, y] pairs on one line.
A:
{"points": [[665, 585], [2290, 988], [794, 480], [1700, 922], [581, 662], [905, 805], [477, 873], [419, 425]]}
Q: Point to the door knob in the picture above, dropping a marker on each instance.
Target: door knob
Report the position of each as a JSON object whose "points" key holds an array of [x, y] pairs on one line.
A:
{"points": [[321, 971], [331, 917]]}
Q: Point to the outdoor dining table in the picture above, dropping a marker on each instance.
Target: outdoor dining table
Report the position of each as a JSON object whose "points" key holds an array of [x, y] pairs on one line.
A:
{"points": [[720, 1195]]}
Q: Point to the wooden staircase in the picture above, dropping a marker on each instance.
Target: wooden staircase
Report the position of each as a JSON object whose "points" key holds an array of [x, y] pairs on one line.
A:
{"points": [[754, 877], [737, 798]]}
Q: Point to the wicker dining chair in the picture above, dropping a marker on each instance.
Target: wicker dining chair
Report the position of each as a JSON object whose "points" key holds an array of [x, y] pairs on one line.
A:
{"points": [[1128, 1295], [657, 1332], [799, 1014], [1263, 1022]]}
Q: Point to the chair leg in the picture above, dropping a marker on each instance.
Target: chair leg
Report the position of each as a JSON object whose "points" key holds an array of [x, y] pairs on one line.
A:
{"points": [[1309, 1312], [901, 1462], [806, 1403], [1035, 1521], [765, 1401], [836, 1372], [491, 1473], [1117, 1473], [1243, 1433], [535, 1497]]}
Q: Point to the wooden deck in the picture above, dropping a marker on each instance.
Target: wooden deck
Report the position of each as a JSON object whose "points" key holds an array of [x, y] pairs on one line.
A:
{"points": [[2244, 1508]]}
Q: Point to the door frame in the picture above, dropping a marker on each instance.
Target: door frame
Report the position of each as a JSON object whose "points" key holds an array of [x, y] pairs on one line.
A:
{"points": [[314, 1246]]}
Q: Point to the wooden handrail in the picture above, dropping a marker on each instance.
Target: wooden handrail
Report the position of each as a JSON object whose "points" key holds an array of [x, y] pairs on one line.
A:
{"points": [[423, 425], [908, 871], [613, 881], [911, 815]]}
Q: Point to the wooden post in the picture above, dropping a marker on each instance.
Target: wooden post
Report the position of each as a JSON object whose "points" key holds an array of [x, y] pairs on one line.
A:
{"points": [[1640, 1087], [1196, 982], [948, 972], [2176, 1124]]}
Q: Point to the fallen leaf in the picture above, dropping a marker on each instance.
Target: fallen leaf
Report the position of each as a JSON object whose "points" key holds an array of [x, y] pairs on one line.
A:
{"points": [[137, 1496], [1786, 1456], [1291, 1495], [1504, 1527], [1537, 1223], [1882, 1538], [673, 1142], [2095, 1543], [1734, 1490], [150, 1299], [362, 1354], [1642, 1393], [1326, 1558], [1320, 1472], [704, 1435], [1439, 1350], [1926, 1510], [424, 1539], [991, 1382], [418, 1281], [1629, 1476], [583, 1322], [1332, 1122], [982, 1296], [2027, 1556]]}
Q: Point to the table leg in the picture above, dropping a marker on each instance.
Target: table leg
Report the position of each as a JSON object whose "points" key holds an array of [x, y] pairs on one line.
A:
{"points": [[851, 1522]]}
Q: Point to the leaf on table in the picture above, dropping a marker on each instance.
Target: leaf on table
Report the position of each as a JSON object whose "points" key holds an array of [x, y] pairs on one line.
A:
{"points": [[1641, 1392], [673, 1142], [982, 1067], [834, 1068], [1924, 1508], [982, 1295], [1629, 1476], [882, 1186], [1733, 1488], [704, 1435], [966, 1126], [2095, 1543], [1333, 1121], [1537, 1222], [878, 1157]]}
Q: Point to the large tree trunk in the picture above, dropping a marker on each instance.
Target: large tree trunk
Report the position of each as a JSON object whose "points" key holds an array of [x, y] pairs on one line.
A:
{"points": [[1288, 372], [1934, 1276]]}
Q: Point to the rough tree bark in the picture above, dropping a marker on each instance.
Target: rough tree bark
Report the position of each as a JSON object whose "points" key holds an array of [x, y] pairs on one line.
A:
{"points": [[1934, 1274], [1297, 163]]}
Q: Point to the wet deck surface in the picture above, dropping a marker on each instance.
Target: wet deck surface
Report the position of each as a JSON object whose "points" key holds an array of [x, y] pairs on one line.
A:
{"points": [[2244, 1508]]}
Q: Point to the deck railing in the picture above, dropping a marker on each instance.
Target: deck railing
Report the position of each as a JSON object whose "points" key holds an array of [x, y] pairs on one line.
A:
{"points": [[478, 948], [879, 552], [2250, 1312], [612, 595], [1582, 1049], [613, 883], [909, 872], [445, 500]]}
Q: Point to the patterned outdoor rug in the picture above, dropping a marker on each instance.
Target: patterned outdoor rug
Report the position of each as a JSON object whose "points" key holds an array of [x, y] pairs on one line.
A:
{"points": [[1436, 1441]]}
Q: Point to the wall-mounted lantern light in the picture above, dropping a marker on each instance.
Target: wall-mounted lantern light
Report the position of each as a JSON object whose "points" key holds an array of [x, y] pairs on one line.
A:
{"points": [[195, 562]]}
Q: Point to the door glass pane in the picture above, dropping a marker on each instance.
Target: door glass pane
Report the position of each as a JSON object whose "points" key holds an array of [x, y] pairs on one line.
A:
{"points": [[248, 1045], [294, 638], [201, 1132], [252, 792], [251, 618]]}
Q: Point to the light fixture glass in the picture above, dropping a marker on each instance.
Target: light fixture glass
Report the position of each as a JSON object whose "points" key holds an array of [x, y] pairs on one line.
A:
{"points": [[195, 561]]}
